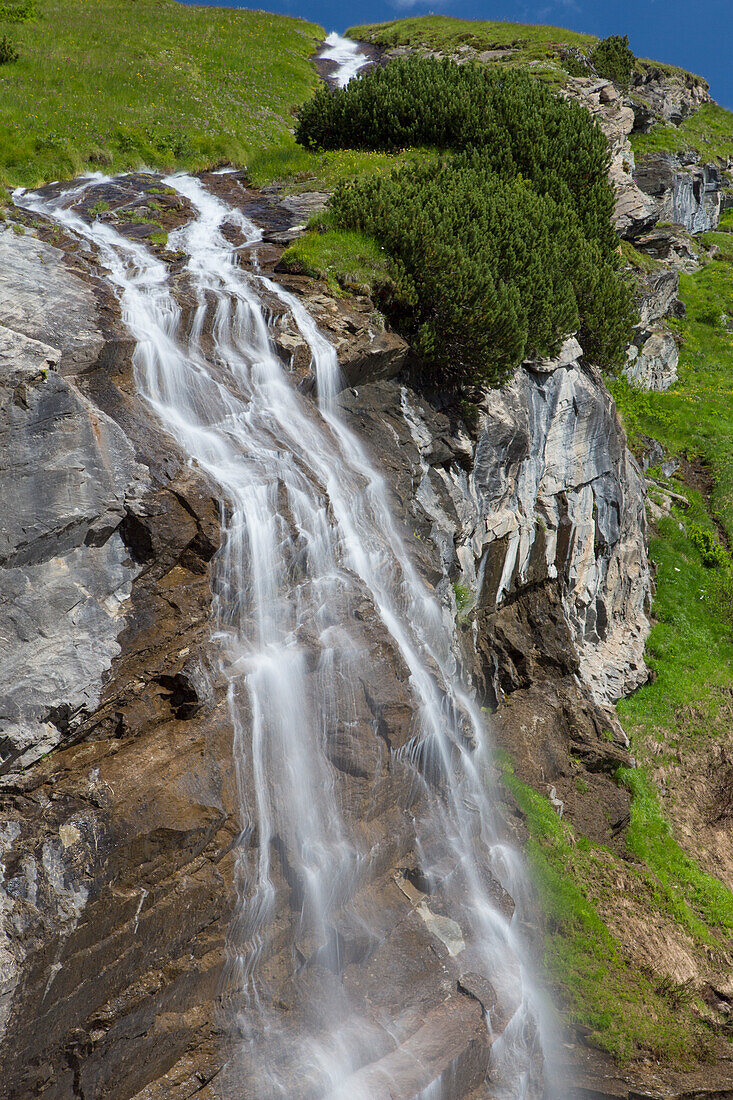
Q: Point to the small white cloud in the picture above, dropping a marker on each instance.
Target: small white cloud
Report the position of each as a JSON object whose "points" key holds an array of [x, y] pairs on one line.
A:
{"points": [[403, 5]]}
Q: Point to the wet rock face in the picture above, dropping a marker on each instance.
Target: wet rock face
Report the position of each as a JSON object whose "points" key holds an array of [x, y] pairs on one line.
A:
{"points": [[118, 849], [67, 471], [115, 848], [367, 350]]}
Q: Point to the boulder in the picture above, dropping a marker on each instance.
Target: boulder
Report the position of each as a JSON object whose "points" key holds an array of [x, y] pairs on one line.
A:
{"points": [[656, 294], [652, 361], [686, 194], [668, 93]]}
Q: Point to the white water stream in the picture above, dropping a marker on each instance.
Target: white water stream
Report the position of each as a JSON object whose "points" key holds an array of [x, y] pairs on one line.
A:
{"points": [[347, 55], [309, 535]]}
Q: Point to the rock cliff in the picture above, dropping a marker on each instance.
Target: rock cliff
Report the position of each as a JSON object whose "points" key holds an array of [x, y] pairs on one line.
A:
{"points": [[120, 820]]}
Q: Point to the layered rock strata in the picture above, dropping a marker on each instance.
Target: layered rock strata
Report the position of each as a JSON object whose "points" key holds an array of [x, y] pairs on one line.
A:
{"points": [[118, 847]]}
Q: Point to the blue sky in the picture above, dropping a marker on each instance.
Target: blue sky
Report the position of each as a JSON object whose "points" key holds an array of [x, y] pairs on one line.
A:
{"points": [[697, 34]]}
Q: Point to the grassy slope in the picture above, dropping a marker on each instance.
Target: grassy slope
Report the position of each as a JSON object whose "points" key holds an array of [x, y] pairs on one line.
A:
{"points": [[441, 32], [117, 84], [676, 718]]}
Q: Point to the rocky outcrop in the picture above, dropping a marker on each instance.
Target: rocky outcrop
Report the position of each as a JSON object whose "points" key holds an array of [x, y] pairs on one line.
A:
{"points": [[657, 294], [554, 497], [667, 93], [367, 350], [635, 211], [671, 244], [688, 194], [118, 848], [652, 360], [70, 473], [661, 186]]}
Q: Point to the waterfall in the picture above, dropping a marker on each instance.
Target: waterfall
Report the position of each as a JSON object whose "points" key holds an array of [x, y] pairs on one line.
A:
{"points": [[312, 560], [346, 55]]}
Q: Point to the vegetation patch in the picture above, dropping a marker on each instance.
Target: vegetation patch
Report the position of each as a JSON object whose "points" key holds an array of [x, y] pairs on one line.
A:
{"points": [[617, 1005], [8, 52], [499, 250], [695, 417], [697, 901], [297, 169], [613, 59], [708, 133], [344, 258], [441, 32]]}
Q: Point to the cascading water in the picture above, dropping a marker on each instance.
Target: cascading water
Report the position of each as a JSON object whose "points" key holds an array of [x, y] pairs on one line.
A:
{"points": [[346, 55], [310, 542]]}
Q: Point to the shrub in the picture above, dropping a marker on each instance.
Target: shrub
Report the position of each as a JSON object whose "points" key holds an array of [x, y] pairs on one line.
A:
{"points": [[613, 59], [712, 553], [523, 127], [503, 247], [7, 52], [18, 12], [485, 270], [574, 62]]}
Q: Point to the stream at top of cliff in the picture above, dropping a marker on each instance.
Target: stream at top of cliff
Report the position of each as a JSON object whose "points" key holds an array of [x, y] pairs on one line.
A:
{"points": [[346, 55], [312, 557]]}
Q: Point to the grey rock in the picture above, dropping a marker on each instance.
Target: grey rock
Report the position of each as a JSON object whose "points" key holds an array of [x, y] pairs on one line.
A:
{"points": [[62, 315], [672, 244], [657, 294], [653, 364], [688, 195], [552, 496], [668, 94], [569, 354], [635, 212], [66, 472]]}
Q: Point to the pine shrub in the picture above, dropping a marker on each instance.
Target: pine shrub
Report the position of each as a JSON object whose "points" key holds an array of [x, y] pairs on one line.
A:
{"points": [[485, 270], [507, 245], [613, 59], [7, 51]]}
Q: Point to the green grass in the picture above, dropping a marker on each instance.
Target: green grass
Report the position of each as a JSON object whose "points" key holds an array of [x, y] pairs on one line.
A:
{"points": [[709, 132], [696, 415], [723, 241], [600, 989], [343, 258], [115, 84], [442, 32], [299, 169], [699, 903], [690, 649]]}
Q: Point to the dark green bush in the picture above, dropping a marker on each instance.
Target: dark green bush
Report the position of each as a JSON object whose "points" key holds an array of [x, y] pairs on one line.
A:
{"points": [[711, 551], [22, 12], [613, 59], [524, 128], [485, 270], [507, 245], [7, 52], [574, 62]]}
